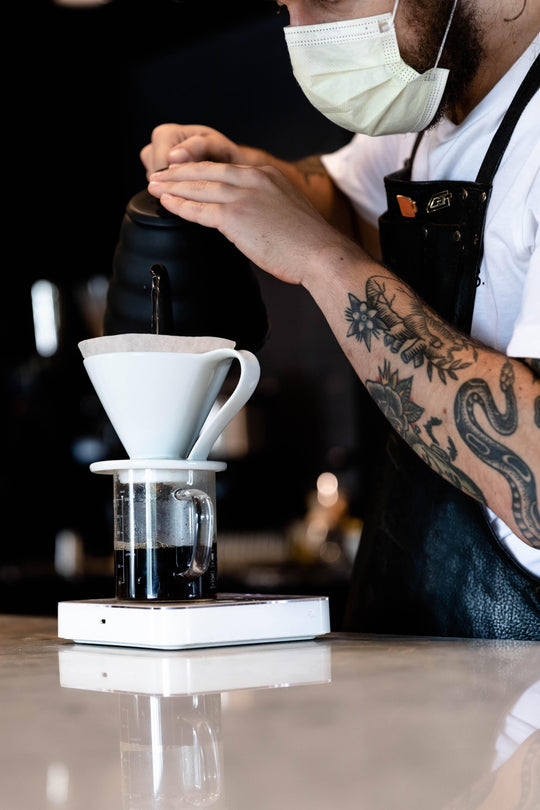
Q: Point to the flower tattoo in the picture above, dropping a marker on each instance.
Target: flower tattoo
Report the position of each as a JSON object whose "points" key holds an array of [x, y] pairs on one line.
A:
{"points": [[393, 396], [408, 329], [363, 320]]}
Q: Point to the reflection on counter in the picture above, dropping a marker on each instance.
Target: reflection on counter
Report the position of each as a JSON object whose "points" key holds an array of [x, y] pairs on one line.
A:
{"points": [[357, 723], [171, 751], [169, 709], [415, 744]]}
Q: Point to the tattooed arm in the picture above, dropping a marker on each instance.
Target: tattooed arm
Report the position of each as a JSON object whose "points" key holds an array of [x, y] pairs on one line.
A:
{"points": [[534, 364], [470, 412]]}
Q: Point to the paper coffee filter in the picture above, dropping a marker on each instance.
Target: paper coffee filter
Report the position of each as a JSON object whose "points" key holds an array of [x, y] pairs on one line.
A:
{"points": [[152, 343]]}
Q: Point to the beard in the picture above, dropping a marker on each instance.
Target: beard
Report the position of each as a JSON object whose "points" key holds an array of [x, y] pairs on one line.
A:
{"points": [[463, 51]]}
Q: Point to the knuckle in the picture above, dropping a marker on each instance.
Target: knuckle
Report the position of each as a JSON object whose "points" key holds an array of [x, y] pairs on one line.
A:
{"points": [[199, 186], [197, 145], [273, 171], [198, 210], [237, 208], [262, 175], [161, 129]]}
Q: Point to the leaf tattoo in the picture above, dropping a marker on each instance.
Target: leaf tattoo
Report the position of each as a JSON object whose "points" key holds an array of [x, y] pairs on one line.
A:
{"points": [[408, 328], [393, 397]]}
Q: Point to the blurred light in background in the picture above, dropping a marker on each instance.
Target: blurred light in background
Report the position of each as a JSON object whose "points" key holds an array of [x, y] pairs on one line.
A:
{"points": [[81, 3], [68, 553], [327, 489], [46, 315]]}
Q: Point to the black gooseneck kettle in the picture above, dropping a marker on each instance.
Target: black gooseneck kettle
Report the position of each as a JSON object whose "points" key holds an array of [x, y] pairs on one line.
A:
{"points": [[212, 286]]}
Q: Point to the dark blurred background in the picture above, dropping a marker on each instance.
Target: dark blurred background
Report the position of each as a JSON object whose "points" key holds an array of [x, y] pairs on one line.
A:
{"points": [[96, 80]]}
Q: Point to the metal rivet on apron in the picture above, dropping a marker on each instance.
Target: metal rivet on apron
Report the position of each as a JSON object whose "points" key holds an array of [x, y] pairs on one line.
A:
{"points": [[425, 233], [475, 239], [456, 236], [464, 193], [483, 196]]}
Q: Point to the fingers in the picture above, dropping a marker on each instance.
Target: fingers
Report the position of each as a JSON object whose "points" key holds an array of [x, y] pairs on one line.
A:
{"points": [[203, 182], [199, 192], [164, 138], [207, 191], [208, 214], [201, 175], [214, 194], [177, 143], [209, 145]]}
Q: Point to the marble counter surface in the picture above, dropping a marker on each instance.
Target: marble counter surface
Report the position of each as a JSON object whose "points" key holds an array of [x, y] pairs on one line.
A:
{"points": [[347, 722]]}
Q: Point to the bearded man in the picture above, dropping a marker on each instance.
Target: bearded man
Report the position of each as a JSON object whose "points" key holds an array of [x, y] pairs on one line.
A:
{"points": [[420, 243]]}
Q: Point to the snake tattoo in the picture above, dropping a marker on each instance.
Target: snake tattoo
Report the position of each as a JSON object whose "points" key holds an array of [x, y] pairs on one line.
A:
{"points": [[476, 393]]}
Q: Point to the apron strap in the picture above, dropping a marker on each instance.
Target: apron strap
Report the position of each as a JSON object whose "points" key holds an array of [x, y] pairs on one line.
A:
{"points": [[500, 140], [410, 160], [498, 145]]}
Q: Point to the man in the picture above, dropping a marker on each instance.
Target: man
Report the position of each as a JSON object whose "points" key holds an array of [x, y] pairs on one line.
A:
{"points": [[436, 303]]}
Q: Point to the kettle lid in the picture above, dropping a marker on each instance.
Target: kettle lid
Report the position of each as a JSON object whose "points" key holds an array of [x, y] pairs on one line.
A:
{"points": [[147, 210]]}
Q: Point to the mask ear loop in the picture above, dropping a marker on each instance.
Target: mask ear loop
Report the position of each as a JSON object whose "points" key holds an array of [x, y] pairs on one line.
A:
{"points": [[443, 43], [385, 26], [445, 33]]}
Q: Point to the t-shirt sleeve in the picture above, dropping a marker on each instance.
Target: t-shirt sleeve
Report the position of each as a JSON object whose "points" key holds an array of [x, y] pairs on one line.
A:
{"points": [[525, 340], [359, 168]]}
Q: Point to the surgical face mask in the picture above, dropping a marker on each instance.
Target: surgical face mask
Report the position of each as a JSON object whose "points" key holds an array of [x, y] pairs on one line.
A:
{"points": [[353, 73]]}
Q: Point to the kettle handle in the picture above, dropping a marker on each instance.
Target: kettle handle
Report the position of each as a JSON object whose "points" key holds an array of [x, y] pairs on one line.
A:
{"points": [[250, 371]]}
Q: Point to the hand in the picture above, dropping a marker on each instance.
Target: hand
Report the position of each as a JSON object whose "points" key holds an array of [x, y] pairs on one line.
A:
{"points": [[256, 208], [178, 143]]}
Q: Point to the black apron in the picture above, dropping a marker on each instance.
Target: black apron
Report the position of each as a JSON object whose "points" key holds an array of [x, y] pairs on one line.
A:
{"points": [[428, 561]]}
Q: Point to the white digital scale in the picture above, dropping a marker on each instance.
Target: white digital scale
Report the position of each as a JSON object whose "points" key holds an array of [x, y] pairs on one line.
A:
{"points": [[227, 620]]}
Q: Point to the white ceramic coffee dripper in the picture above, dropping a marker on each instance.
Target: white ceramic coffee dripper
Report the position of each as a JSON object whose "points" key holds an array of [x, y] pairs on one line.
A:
{"points": [[158, 390]]}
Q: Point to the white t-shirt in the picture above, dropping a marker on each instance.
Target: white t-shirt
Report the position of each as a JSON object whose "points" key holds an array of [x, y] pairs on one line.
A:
{"points": [[507, 304]]}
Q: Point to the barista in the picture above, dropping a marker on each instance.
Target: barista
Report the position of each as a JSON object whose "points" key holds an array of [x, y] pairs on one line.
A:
{"points": [[423, 253]]}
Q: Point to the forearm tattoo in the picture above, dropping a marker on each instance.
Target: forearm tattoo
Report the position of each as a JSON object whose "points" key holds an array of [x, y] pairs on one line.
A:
{"points": [[535, 365], [476, 394], [310, 167], [393, 397], [393, 314]]}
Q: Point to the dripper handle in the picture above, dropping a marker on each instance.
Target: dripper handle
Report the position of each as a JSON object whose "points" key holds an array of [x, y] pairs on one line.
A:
{"points": [[250, 371]]}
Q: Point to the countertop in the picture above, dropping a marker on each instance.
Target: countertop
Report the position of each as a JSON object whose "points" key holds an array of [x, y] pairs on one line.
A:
{"points": [[345, 722]]}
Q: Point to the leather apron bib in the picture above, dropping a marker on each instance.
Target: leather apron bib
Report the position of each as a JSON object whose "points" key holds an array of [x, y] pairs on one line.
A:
{"points": [[428, 562]]}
